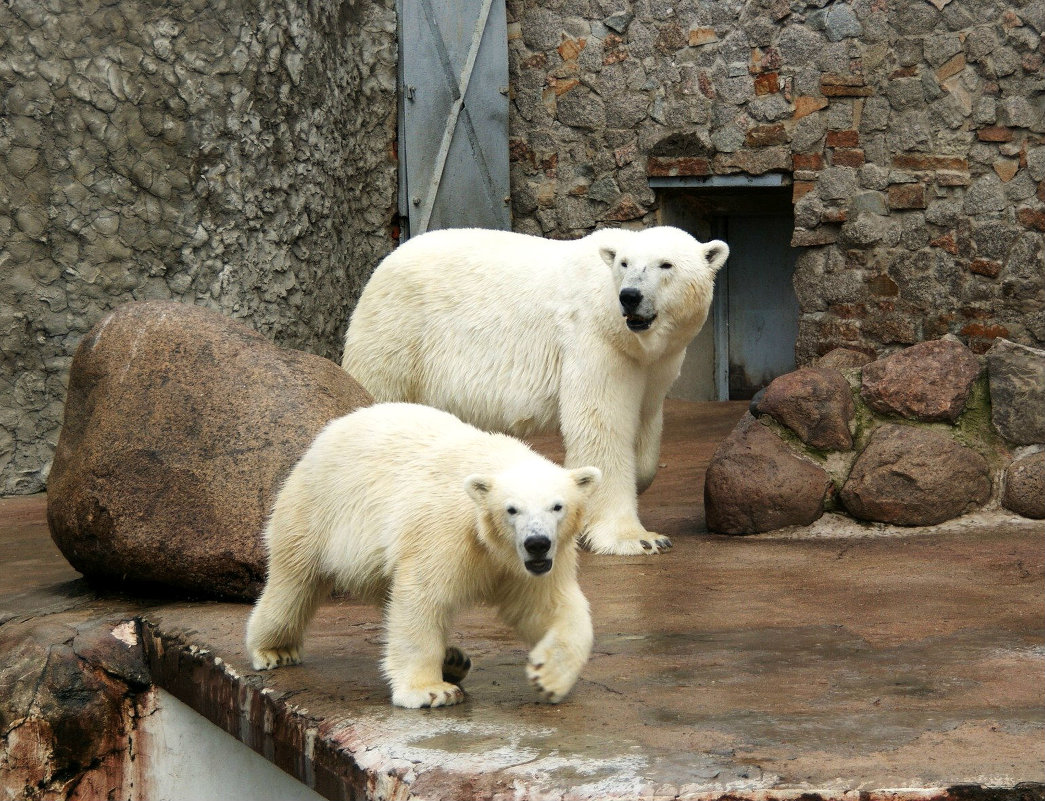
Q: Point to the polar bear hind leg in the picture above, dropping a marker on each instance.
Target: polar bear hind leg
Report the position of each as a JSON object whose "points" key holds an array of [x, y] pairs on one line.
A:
{"points": [[293, 589], [276, 627]]}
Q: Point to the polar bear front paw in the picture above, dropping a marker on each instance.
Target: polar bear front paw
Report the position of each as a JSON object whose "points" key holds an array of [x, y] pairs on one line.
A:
{"points": [[647, 543], [550, 678], [456, 665], [441, 694], [269, 658]]}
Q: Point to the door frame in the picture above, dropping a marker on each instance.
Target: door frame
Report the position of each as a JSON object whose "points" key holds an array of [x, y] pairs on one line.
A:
{"points": [[717, 196]]}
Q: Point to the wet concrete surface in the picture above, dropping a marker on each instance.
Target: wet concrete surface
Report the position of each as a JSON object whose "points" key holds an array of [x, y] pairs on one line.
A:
{"points": [[842, 662]]}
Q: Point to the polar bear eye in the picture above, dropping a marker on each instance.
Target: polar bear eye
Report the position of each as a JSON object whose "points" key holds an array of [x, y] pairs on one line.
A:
{"points": [[511, 510], [624, 264], [667, 265], [557, 507]]}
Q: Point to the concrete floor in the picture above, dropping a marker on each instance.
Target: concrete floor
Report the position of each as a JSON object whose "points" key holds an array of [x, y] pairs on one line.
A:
{"points": [[842, 662]]}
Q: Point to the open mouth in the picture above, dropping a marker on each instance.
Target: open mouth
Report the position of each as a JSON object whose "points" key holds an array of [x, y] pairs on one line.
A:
{"points": [[538, 566], [636, 322]]}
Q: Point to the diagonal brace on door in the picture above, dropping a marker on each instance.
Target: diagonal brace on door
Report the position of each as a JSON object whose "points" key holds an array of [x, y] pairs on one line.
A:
{"points": [[460, 86]]}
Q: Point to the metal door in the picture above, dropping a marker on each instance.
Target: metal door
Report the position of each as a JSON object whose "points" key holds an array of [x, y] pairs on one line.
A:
{"points": [[453, 121], [758, 298], [749, 338]]}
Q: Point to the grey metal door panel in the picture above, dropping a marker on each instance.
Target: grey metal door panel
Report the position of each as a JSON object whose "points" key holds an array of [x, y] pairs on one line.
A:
{"points": [[749, 338], [454, 124], [762, 307]]}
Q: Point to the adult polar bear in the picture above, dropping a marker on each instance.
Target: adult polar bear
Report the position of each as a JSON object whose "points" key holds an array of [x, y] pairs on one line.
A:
{"points": [[521, 334]]}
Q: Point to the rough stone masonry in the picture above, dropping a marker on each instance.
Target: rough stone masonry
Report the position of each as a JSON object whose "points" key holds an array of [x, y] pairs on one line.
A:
{"points": [[912, 132], [226, 154], [242, 156]]}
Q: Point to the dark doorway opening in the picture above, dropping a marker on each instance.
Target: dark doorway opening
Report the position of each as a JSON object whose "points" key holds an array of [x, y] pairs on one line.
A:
{"points": [[750, 336]]}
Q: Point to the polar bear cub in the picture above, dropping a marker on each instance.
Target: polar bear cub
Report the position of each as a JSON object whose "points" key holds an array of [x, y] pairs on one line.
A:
{"points": [[521, 334], [406, 505]]}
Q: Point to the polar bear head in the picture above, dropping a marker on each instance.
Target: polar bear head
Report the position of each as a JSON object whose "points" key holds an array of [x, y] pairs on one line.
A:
{"points": [[664, 277], [531, 511]]}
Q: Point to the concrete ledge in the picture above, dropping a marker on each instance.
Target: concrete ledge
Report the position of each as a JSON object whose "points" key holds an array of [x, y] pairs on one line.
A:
{"points": [[741, 669], [858, 664]]}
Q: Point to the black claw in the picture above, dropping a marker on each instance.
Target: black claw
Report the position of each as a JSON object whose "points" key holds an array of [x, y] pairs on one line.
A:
{"points": [[645, 545]]}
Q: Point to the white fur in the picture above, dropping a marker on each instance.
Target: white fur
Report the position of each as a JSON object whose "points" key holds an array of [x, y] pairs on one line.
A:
{"points": [[521, 334], [408, 506]]}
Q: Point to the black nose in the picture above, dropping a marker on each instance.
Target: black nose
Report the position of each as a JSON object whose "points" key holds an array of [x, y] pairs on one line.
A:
{"points": [[630, 298], [537, 546]]}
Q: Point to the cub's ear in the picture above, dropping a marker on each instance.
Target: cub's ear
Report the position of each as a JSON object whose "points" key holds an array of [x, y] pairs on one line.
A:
{"points": [[608, 255], [478, 487], [716, 252], [586, 477]]}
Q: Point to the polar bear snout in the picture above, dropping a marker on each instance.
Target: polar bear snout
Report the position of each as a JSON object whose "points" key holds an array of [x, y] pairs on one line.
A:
{"points": [[537, 546], [630, 298], [637, 311], [538, 561]]}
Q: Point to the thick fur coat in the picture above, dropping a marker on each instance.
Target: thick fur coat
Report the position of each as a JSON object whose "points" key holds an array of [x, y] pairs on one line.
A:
{"points": [[407, 506], [521, 334]]}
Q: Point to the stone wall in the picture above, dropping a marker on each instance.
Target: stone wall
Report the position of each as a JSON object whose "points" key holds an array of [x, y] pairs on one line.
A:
{"points": [[242, 156], [912, 132], [238, 155]]}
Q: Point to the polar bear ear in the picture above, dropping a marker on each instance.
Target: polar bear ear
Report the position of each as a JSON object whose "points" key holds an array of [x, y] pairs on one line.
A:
{"points": [[608, 255], [716, 252], [586, 477], [478, 487]]}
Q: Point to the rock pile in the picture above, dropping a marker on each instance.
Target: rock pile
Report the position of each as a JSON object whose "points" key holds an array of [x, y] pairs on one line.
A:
{"points": [[915, 438], [179, 427]]}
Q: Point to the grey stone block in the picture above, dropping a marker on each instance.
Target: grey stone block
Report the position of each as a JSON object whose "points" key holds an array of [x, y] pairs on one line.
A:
{"points": [[1017, 383]]}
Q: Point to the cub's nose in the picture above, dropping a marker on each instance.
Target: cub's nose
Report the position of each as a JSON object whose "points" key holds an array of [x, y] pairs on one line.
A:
{"points": [[630, 298], [537, 545]]}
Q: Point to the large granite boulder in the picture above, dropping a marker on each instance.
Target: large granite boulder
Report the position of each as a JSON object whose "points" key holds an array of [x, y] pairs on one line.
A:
{"points": [[755, 483], [180, 425], [1025, 486], [815, 403], [1017, 380], [930, 381], [913, 476]]}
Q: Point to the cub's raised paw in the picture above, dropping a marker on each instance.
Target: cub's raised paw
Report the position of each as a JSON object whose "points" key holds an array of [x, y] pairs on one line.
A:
{"points": [[268, 658], [442, 694], [456, 665], [552, 683]]}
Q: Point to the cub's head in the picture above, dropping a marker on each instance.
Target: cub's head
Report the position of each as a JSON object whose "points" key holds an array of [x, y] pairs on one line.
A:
{"points": [[532, 511], [664, 277]]}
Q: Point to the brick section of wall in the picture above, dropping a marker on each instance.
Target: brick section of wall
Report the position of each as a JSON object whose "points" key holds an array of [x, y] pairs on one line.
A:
{"points": [[913, 133], [239, 156]]}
